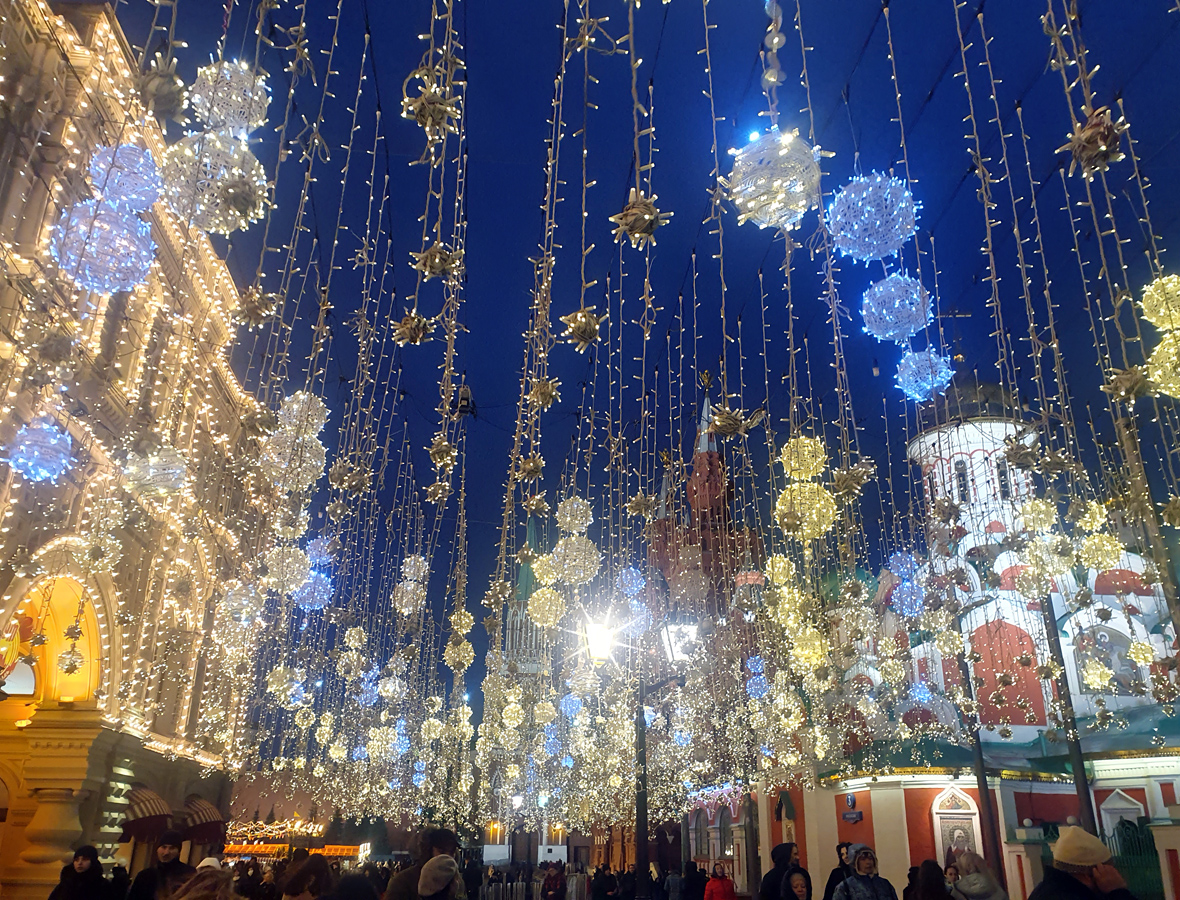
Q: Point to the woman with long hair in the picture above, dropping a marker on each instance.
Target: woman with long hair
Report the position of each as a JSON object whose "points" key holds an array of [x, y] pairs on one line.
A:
{"points": [[309, 880], [207, 884], [720, 886], [931, 883], [976, 881]]}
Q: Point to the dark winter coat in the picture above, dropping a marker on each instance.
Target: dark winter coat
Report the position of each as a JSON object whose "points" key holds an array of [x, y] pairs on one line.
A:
{"points": [[160, 881], [88, 885], [1060, 885], [835, 878], [772, 881], [866, 887]]}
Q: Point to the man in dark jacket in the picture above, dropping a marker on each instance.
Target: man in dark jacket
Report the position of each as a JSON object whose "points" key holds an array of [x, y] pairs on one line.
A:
{"points": [[772, 881], [864, 883], [1081, 870], [160, 881], [695, 881], [431, 843]]}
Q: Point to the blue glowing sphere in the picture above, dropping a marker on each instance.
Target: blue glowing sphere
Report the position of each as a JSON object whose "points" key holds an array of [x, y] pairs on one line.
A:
{"points": [[41, 451], [395, 784], [681, 738], [896, 308], [553, 745], [757, 686], [571, 705], [920, 693], [908, 599], [630, 581], [360, 752], [923, 374], [400, 726], [401, 745], [903, 565], [367, 694], [650, 716], [756, 665], [766, 750], [102, 248], [315, 593], [567, 761], [127, 175], [872, 217], [638, 620], [419, 779]]}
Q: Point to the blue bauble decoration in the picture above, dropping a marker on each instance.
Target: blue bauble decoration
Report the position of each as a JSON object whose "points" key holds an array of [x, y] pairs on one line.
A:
{"points": [[638, 618], [920, 693], [903, 565], [756, 665], [315, 593], [681, 738], [896, 308], [571, 705], [41, 451], [567, 761], [401, 745], [908, 599], [359, 752], [630, 581], [126, 175], [872, 217], [757, 686], [102, 248], [923, 374]]}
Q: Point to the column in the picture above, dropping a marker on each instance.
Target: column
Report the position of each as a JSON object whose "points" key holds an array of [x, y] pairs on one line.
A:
{"points": [[820, 830], [765, 844], [890, 833]]}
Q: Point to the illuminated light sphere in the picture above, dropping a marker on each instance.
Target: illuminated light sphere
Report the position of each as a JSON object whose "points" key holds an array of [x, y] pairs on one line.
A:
{"points": [[639, 618], [681, 738], [803, 457], [366, 694], [923, 374], [757, 686], [305, 718], [230, 95], [41, 450], [1033, 584], [102, 248], [512, 715], [1163, 366], [574, 515], [1093, 516], [280, 680], [892, 670], [775, 180], [544, 712], [1141, 652], [315, 593], [126, 174], [287, 568], [459, 655], [162, 471], [805, 510], [360, 752], [896, 308], [545, 569], [355, 638], [908, 599], [322, 551], [291, 462], [567, 761], [577, 559], [1097, 674], [70, 660], [780, 570], [214, 182], [1161, 302], [948, 642], [571, 705], [1038, 514], [872, 216], [810, 649], [391, 688], [303, 413], [903, 565], [415, 568], [408, 597], [630, 581], [546, 607], [1051, 555], [1101, 552], [920, 693], [432, 730], [243, 603], [756, 665]]}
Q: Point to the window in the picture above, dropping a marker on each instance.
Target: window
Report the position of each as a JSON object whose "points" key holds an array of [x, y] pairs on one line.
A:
{"points": [[962, 482], [700, 836], [1004, 479]]}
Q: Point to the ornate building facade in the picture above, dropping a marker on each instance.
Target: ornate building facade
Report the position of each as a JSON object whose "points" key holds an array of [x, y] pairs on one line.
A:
{"points": [[126, 512]]}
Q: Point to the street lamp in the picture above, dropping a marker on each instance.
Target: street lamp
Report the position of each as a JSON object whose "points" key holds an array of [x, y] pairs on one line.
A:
{"points": [[679, 635], [600, 639]]}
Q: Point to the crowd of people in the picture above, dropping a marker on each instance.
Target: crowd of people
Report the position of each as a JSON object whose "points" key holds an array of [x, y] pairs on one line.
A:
{"points": [[1082, 870]]}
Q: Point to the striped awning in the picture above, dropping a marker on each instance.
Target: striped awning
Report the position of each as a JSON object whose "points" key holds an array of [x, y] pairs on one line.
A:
{"points": [[204, 822], [148, 815]]}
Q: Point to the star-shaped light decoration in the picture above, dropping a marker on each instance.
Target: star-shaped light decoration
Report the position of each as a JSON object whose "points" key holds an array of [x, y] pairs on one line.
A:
{"points": [[256, 308], [1094, 144], [438, 492], [945, 510], [1019, 454], [731, 423], [432, 107], [442, 453], [642, 505], [639, 219], [581, 327], [439, 260], [1129, 384], [1171, 512], [530, 468], [348, 475], [413, 328], [1055, 462], [259, 422], [850, 481], [536, 504], [543, 392]]}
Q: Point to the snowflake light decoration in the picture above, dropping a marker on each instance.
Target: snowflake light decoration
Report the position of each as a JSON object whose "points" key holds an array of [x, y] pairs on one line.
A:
{"points": [[431, 106], [872, 216], [581, 327], [230, 95], [101, 247], [41, 450], [459, 655], [775, 180], [923, 374], [1141, 652], [438, 261], [1097, 675], [639, 220], [896, 308], [1094, 144], [126, 175], [315, 593], [215, 182]]}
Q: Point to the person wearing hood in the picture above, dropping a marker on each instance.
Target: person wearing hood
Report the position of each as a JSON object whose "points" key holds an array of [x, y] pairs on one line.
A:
{"points": [[976, 881], [772, 881], [440, 879], [82, 879], [1081, 870], [864, 883], [160, 881], [798, 882], [720, 886], [785, 892], [843, 870]]}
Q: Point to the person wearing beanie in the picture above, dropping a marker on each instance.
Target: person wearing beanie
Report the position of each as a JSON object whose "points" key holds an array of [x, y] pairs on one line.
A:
{"points": [[439, 878], [160, 881], [82, 879], [1081, 870], [209, 862], [432, 843], [783, 856], [864, 883]]}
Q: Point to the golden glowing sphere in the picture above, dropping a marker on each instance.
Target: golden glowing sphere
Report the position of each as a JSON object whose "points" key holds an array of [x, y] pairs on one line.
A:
{"points": [[545, 569], [780, 570], [544, 713], [805, 510], [546, 607], [811, 648], [803, 457], [1094, 517], [892, 670], [1163, 366], [1052, 555], [1142, 653], [512, 715], [1097, 675], [1038, 514], [1033, 584], [1101, 552], [615, 780], [1161, 302], [577, 559], [948, 642], [432, 730], [574, 515], [459, 656]]}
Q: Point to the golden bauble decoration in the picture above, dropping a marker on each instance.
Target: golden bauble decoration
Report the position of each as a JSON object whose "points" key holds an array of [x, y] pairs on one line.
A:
{"points": [[512, 715], [1097, 675], [459, 655], [1101, 552], [810, 649], [805, 510], [1163, 366], [574, 515], [577, 559], [803, 457], [780, 570], [546, 607], [432, 730], [1161, 303], [544, 713], [545, 569], [1038, 514], [1142, 653]]}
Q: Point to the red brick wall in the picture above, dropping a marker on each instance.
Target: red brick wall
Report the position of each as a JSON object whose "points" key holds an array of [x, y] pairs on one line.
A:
{"points": [[920, 824], [855, 832], [1045, 807]]}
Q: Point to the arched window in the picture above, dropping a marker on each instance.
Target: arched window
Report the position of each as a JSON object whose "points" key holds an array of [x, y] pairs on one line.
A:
{"points": [[962, 481], [1003, 479], [725, 832], [700, 835]]}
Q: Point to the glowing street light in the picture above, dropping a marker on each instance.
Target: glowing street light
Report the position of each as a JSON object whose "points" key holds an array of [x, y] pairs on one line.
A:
{"points": [[599, 641]]}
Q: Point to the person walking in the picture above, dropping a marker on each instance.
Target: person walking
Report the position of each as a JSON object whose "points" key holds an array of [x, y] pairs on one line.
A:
{"points": [[160, 881], [772, 881], [865, 883], [440, 879], [432, 843], [976, 881], [793, 864], [554, 886], [798, 882], [309, 880], [1081, 870], [604, 885], [82, 879], [720, 886], [907, 892], [843, 870], [674, 884]]}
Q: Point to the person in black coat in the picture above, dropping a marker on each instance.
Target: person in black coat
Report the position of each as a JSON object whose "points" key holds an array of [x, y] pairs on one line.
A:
{"points": [[798, 883], [772, 881], [159, 881], [1081, 870], [82, 879], [695, 881], [786, 892], [843, 870]]}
